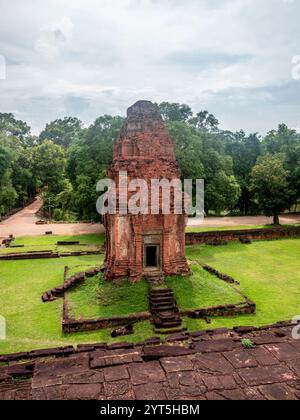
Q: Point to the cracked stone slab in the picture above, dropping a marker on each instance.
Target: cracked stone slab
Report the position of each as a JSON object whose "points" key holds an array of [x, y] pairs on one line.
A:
{"points": [[266, 375], [117, 388], [263, 356], [158, 352], [176, 364], [115, 358], [215, 346], [152, 392], [277, 392], [49, 373], [240, 359], [147, 372], [115, 373], [216, 383], [284, 351], [212, 363]]}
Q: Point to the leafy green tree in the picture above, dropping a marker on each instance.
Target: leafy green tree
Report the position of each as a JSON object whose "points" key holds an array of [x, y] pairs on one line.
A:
{"points": [[221, 193], [188, 150], [62, 131], [48, 166], [287, 142], [9, 126], [5, 160], [244, 151], [175, 112], [270, 186], [221, 188], [92, 153], [85, 198], [205, 121]]}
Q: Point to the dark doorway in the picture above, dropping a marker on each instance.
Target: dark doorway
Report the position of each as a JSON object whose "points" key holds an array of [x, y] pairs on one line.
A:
{"points": [[152, 256]]}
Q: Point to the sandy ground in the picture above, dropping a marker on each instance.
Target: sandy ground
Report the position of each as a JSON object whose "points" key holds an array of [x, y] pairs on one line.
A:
{"points": [[23, 223], [286, 219]]}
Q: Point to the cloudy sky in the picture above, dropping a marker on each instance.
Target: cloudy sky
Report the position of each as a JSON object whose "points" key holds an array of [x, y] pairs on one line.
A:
{"points": [[89, 57]]}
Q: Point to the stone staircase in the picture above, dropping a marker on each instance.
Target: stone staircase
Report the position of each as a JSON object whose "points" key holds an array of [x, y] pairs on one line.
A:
{"points": [[163, 306]]}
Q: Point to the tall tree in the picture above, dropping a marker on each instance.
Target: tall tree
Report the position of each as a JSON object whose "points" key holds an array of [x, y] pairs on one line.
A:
{"points": [[10, 126], [286, 141], [62, 131], [175, 111], [205, 121], [48, 166], [270, 186], [244, 151]]}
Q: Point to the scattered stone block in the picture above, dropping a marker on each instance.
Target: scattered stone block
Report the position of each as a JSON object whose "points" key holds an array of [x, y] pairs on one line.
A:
{"points": [[159, 352], [123, 331]]}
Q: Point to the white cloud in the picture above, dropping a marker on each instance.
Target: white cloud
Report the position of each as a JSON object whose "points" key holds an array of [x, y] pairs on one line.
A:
{"points": [[54, 37], [98, 56]]}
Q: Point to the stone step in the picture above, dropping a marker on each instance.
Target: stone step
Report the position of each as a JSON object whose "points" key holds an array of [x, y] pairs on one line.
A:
{"points": [[167, 324], [164, 308], [162, 299], [170, 331], [166, 316], [160, 291], [158, 299], [162, 304]]}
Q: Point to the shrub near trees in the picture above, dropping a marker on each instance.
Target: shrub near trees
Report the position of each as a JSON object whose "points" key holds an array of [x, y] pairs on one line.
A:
{"points": [[67, 160]]}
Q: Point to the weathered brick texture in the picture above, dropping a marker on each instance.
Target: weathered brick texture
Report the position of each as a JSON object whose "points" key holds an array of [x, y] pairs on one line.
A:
{"points": [[145, 151]]}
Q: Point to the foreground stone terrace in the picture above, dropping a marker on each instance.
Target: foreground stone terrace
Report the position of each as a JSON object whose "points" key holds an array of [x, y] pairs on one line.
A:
{"points": [[209, 365]]}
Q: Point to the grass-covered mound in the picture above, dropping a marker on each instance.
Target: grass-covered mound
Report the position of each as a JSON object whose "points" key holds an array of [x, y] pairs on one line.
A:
{"points": [[202, 290], [97, 298]]}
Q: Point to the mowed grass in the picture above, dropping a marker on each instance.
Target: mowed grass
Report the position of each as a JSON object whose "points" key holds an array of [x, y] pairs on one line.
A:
{"points": [[97, 298], [269, 274], [32, 324], [199, 229], [49, 243], [202, 290]]}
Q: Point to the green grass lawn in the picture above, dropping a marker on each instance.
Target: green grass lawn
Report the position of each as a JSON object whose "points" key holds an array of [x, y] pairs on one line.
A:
{"points": [[200, 229], [202, 290], [48, 243], [32, 324], [269, 273], [99, 299]]}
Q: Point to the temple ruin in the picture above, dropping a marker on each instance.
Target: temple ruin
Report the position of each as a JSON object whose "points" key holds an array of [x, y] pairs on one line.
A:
{"points": [[153, 244]]}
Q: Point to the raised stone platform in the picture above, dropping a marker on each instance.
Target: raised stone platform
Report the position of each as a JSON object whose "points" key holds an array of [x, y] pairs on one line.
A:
{"points": [[206, 365]]}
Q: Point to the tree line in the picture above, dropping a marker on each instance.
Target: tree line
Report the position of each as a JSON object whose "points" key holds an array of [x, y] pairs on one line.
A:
{"points": [[245, 174]]}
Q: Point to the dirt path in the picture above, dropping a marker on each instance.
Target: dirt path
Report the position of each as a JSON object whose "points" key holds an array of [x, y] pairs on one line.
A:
{"points": [[286, 219], [23, 223]]}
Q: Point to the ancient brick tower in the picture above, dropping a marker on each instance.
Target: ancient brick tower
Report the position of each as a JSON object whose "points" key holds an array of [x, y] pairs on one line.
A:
{"points": [[145, 245]]}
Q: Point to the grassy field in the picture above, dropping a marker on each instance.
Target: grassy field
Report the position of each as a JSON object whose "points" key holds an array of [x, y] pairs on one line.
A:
{"points": [[269, 273], [200, 229], [49, 243], [97, 298]]}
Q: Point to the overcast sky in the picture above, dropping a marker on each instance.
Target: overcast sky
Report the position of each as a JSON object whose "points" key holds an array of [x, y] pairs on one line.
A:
{"points": [[86, 58]]}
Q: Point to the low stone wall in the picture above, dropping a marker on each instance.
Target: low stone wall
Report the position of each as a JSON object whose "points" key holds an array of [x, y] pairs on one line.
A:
{"points": [[242, 308], [267, 234], [205, 335], [221, 276], [73, 326], [46, 255], [69, 283]]}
